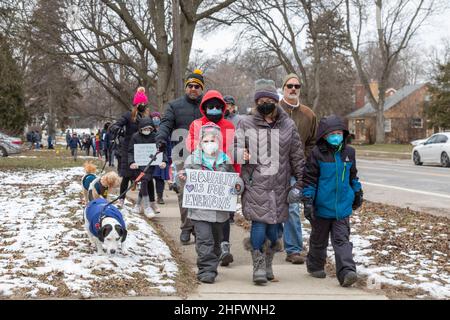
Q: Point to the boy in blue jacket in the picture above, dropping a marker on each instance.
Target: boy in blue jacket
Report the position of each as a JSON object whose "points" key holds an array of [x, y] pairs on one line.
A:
{"points": [[331, 192]]}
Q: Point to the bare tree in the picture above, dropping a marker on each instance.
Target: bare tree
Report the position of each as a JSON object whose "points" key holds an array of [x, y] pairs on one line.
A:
{"points": [[134, 38], [276, 27], [15, 17], [397, 23]]}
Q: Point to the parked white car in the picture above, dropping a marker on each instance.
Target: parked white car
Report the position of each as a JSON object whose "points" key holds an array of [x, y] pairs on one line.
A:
{"points": [[435, 149], [417, 142], [9, 145]]}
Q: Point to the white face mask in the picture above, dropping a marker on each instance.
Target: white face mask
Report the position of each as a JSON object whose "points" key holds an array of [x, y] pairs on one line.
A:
{"points": [[146, 132], [210, 147]]}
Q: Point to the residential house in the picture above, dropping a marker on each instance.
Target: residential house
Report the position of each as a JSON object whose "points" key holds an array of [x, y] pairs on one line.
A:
{"points": [[404, 113]]}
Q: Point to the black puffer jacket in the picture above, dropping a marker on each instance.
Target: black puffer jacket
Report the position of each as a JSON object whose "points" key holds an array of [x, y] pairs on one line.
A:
{"points": [[130, 129], [139, 138], [179, 114]]}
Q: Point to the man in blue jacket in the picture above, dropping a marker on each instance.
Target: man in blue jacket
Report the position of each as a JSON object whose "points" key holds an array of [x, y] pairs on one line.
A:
{"points": [[331, 192], [74, 142]]}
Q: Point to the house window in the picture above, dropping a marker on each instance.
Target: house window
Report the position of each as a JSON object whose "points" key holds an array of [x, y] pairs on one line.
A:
{"points": [[387, 125], [417, 123]]}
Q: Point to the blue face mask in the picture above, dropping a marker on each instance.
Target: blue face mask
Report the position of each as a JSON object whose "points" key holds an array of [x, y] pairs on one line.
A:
{"points": [[156, 121], [213, 112], [335, 139]]}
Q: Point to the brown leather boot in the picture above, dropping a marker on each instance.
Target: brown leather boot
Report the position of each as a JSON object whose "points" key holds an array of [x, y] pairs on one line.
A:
{"points": [[295, 258]]}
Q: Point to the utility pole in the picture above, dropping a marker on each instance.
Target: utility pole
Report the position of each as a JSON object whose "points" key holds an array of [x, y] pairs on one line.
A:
{"points": [[176, 54]]}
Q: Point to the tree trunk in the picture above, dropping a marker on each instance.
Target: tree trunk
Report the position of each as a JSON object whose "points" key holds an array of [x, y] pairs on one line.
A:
{"points": [[165, 84], [316, 100], [51, 113], [163, 92], [380, 134]]}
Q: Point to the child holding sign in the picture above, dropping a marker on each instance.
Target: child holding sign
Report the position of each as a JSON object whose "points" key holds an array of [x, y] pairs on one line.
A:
{"points": [[144, 137], [208, 224]]}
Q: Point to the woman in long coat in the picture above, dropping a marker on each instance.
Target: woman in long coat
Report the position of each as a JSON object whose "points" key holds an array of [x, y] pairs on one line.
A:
{"points": [[271, 147], [129, 122]]}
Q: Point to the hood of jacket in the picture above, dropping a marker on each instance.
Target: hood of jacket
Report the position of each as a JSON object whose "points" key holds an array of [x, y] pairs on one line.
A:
{"points": [[211, 94], [145, 122], [330, 124]]}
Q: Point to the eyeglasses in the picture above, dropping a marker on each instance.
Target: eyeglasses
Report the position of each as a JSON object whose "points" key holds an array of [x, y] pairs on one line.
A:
{"points": [[195, 86], [214, 107], [290, 86]]}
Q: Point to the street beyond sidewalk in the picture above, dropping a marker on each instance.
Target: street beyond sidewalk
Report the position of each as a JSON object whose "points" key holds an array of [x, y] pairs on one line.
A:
{"points": [[401, 183]]}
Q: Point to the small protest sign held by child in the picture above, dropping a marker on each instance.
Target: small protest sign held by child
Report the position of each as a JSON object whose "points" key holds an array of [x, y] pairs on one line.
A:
{"points": [[210, 194], [141, 146]]}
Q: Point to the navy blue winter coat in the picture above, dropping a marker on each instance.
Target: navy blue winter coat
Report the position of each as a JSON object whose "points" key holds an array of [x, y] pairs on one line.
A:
{"points": [[94, 214], [74, 142]]}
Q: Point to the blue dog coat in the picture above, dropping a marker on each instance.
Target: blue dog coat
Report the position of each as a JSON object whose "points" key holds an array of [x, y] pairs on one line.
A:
{"points": [[94, 214], [87, 179]]}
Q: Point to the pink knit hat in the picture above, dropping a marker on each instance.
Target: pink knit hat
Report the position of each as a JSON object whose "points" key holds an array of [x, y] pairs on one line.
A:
{"points": [[140, 97]]}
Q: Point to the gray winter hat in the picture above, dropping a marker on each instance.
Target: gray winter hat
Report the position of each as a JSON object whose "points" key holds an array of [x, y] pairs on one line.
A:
{"points": [[266, 88]]}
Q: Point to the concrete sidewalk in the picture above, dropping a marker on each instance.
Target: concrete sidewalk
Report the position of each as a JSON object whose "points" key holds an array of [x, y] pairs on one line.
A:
{"points": [[235, 282]]}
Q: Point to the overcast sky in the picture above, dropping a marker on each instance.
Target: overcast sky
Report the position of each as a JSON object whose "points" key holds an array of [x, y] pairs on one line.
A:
{"points": [[436, 29]]}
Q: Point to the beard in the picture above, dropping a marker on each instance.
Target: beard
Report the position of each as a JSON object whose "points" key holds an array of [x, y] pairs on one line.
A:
{"points": [[293, 96]]}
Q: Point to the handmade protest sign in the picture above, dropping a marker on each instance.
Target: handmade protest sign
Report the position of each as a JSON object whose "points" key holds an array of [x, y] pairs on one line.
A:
{"points": [[210, 190], [142, 153]]}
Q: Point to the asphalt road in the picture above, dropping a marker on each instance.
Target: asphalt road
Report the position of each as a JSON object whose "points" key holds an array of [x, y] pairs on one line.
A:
{"points": [[401, 183]]}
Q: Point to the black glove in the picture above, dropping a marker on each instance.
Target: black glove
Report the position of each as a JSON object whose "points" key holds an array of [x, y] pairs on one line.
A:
{"points": [[357, 202], [161, 146], [308, 208]]}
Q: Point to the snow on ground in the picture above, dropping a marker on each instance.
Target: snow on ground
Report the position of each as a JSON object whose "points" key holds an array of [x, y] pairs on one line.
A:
{"points": [[45, 251], [393, 252], [402, 248], [396, 247]]}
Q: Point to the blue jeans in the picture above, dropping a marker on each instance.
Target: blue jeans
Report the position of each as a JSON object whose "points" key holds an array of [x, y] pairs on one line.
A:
{"points": [[293, 240], [260, 232]]}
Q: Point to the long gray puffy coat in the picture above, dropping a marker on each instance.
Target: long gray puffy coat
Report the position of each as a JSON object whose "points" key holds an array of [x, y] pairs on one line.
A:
{"points": [[265, 196]]}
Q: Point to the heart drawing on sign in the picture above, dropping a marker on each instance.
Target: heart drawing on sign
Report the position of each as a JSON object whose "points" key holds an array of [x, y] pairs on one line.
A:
{"points": [[189, 187]]}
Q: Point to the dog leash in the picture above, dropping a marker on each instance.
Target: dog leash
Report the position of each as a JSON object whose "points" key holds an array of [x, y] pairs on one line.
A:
{"points": [[153, 158]]}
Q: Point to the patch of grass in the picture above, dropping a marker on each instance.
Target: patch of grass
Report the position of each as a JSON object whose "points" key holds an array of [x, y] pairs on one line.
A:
{"points": [[391, 148], [44, 159]]}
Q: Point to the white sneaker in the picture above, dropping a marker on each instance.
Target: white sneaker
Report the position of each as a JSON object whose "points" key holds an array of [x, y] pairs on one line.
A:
{"points": [[149, 213], [155, 207], [137, 209]]}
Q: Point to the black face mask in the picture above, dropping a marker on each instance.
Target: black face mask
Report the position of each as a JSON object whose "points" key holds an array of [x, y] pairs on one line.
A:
{"points": [[214, 118], [227, 113], [141, 108], [266, 108]]}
